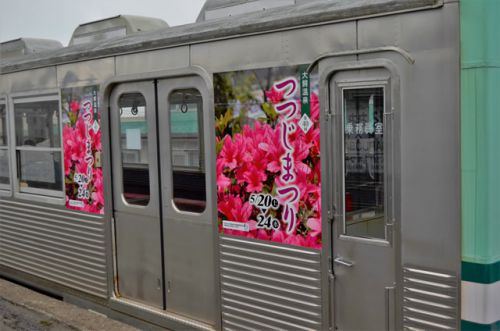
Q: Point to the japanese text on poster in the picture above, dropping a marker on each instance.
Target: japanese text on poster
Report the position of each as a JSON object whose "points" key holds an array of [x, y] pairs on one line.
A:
{"points": [[82, 149], [268, 160]]}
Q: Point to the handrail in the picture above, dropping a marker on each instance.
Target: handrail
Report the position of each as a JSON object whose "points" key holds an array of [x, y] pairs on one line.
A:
{"points": [[405, 54]]}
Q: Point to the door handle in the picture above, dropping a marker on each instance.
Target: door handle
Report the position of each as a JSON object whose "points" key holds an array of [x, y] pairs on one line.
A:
{"points": [[342, 262]]}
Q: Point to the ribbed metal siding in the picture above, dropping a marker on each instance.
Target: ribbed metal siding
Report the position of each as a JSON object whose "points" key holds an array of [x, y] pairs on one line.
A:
{"points": [[269, 287], [430, 299], [55, 244]]}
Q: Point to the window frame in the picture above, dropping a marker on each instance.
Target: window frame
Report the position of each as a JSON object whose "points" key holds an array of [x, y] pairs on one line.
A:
{"points": [[6, 189], [385, 84], [343, 109], [201, 139], [35, 194], [147, 114], [146, 89], [201, 131]]}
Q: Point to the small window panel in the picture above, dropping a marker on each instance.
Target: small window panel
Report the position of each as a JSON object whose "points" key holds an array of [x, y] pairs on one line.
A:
{"points": [[37, 124], [4, 150], [37, 132], [3, 125], [134, 149], [186, 114], [364, 170]]}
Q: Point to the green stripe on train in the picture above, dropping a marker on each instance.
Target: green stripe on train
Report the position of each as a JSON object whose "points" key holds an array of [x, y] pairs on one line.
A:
{"points": [[469, 326], [480, 121], [481, 273]]}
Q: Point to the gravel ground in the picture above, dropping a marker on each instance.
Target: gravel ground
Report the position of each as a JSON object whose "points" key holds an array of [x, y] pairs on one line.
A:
{"points": [[16, 318], [22, 309]]}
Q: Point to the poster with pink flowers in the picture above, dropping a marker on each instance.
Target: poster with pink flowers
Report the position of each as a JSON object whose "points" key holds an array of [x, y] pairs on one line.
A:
{"points": [[82, 149], [268, 155]]}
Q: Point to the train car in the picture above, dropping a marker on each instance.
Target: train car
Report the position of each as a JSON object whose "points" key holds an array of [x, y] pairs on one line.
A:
{"points": [[277, 165]]}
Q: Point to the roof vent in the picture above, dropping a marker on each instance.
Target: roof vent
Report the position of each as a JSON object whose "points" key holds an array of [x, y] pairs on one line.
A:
{"points": [[214, 9], [24, 46], [114, 27]]}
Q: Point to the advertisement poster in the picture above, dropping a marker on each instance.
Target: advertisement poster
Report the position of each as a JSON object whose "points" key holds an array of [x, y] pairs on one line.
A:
{"points": [[82, 149], [268, 155]]}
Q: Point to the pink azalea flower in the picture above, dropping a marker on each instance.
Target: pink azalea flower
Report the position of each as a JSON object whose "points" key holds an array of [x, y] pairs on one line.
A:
{"points": [[278, 236], [92, 208], [223, 182], [235, 210], [254, 158], [296, 240], [81, 167], [314, 225], [67, 134], [274, 95], [313, 242], [315, 108], [97, 180], [300, 154], [75, 151], [254, 178], [262, 235], [74, 106], [274, 151], [229, 154]]}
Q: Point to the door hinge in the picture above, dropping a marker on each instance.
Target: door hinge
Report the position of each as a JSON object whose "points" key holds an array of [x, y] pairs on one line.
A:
{"points": [[331, 277], [390, 231], [331, 273], [330, 216]]}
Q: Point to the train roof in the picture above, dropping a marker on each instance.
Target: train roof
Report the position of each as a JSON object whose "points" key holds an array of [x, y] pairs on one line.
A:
{"points": [[23, 46], [117, 26], [282, 18]]}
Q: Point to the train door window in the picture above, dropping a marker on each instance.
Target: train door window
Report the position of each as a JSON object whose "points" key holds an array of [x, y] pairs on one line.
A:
{"points": [[4, 150], [37, 128], [186, 125], [364, 162], [134, 148]]}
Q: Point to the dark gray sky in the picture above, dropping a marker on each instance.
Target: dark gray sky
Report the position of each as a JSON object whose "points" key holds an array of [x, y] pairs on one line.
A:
{"points": [[56, 19]]}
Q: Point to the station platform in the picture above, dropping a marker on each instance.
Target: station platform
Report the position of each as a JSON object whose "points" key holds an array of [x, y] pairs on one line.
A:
{"points": [[22, 309]]}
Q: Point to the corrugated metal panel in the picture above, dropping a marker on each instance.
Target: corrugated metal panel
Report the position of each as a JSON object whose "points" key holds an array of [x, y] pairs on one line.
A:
{"points": [[62, 246], [430, 299], [271, 287]]}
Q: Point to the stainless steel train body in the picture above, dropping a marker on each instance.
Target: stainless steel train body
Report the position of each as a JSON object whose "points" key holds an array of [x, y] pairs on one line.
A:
{"points": [[157, 262]]}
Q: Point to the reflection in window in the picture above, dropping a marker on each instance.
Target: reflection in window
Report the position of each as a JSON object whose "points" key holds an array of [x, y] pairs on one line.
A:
{"points": [[134, 148], [186, 111], [37, 124], [364, 162], [4, 167], [40, 169], [3, 126], [38, 147], [4, 151]]}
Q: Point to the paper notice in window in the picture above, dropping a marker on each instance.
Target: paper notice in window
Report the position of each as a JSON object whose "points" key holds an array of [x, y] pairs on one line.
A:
{"points": [[134, 139]]}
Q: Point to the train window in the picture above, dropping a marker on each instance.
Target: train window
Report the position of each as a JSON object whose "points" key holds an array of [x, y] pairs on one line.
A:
{"points": [[4, 149], [364, 163], [134, 149], [38, 146], [37, 124], [186, 114], [3, 126]]}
